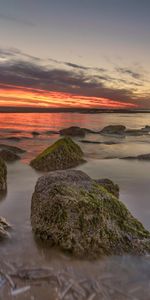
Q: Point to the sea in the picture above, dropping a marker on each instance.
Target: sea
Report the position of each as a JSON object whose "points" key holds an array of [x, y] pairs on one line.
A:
{"points": [[103, 160]]}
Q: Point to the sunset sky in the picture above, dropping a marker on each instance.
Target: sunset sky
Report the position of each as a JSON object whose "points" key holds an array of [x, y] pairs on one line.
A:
{"points": [[75, 53]]}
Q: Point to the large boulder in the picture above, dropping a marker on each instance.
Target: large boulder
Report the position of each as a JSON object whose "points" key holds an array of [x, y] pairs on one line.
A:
{"points": [[113, 129], [4, 228], [8, 155], [73, 131], [63, 154], [3, 176], [78, 215]]}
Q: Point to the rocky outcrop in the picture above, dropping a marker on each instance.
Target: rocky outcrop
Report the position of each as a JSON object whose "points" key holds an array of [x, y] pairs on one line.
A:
{"points": [[73, 131], [110, 186], [79, 215], [4, 228], [113, 129], [3, 176], [8, 155], [63, 154]]}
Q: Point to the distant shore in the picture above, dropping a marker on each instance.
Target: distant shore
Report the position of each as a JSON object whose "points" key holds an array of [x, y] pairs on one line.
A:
{"points": [[11, 109]]}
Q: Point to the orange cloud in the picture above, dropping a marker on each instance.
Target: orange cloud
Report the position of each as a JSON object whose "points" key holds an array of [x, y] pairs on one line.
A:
{"points": [[11, 95]]}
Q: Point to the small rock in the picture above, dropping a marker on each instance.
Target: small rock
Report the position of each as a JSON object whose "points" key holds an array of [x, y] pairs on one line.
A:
{"points": [[63, 154], [73, 131], [12, 148], [8, 155], [4, 227], [113, 129], [3, 176]]}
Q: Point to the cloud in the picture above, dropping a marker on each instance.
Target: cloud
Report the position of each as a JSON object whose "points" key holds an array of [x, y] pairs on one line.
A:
{"points": [[129, 72], [16, 20], [20, 70]]}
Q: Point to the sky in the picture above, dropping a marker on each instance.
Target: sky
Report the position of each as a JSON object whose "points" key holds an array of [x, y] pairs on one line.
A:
{"points": [[75, 53]]}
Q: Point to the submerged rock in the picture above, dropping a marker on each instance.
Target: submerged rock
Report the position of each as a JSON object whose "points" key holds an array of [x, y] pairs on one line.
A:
{"points": [[110, 186], [63, 154], [135, 132], [8, 155], [73, 131], [3, 176], [4, 227], [12, 148], [113, 129], [77, 214], [140, 157]]}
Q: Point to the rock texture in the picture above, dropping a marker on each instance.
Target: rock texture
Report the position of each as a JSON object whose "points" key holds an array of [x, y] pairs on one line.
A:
{"points": [[8, 155], [4, 228], [3, 176], [73, 131], [78, 215], [63, 154], [113, 129], [110, 186]]}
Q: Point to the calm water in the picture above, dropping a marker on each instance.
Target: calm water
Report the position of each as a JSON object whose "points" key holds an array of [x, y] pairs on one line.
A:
{"points": [[132, 177]]}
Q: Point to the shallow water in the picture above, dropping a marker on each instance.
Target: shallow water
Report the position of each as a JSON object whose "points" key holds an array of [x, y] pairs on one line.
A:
{"points": [[132, 177]]}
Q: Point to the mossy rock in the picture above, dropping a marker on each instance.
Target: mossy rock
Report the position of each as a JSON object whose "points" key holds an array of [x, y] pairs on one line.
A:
{"points": [[110, 186], [78, 215], [3, 176], [63, 154]]}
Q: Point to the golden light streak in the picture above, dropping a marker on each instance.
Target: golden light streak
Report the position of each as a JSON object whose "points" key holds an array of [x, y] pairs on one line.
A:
{"points": [[20, 96]]}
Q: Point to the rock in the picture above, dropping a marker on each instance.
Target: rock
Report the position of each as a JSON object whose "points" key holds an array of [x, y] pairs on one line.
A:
{"points": [[109, 186], [140, 157], [35, 133], [73, 131], [52, 132], [4, 227], [3, 176], [146, 129], [63, 154], [113, 129], [8, 155], [90, 142], [97, 142], [134, 132], [77, 214], [12, 148]]}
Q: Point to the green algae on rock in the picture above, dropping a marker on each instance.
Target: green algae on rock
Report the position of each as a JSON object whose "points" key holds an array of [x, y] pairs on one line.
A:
{"points": [[3, 176], [110, 186], [80, 216], [63, 154]]}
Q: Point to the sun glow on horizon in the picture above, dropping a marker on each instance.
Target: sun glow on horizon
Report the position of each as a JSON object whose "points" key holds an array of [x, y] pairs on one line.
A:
{"points": [[11, 95]]}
